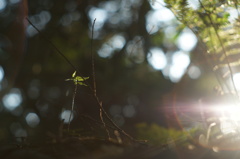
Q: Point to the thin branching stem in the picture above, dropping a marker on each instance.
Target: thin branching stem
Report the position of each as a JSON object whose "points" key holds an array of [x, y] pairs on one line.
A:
{"points": [[72, 108], [58, 51], [93, 63], [99, 103]]}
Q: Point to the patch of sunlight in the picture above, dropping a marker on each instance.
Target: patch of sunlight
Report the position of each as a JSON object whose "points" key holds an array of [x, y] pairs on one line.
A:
{"points": [[194, 72], [236, 80], [105, 51], [157, 4], [194, 4], [32, 119], [181, 59], [163, 15], [3, 4], [117, 41], [110, 6], [155, 18], [176, 73], [157, 59], [39, 20], [187, 40], [170, 32], [65, 115], [227, 127], [13, 99], [100, 15], [180, 62], [233, 14], [1, 74]]}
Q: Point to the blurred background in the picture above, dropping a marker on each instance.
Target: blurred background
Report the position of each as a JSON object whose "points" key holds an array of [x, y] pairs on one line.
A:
{"points": [[149, 67]]}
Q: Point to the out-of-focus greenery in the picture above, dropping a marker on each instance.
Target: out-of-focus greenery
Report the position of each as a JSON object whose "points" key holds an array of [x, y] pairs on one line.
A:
{"points": [[158, 135], [131, 90]]}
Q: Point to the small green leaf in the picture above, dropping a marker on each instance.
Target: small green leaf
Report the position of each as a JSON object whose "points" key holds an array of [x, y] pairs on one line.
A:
{"points": [[77, 79], [74, 74]]}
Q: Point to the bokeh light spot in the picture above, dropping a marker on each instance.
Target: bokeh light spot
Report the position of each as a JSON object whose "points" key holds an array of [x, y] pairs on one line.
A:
{"points": [[105, 51], [65, 115], [14, 1], [100, 15], [187, 40], [236, 79], [13, 99], [32, 119], [2, 4], [180, 62], [194, 72], [194, 4], [1, 73], [118, 41], [157, 59], [233, 14]]}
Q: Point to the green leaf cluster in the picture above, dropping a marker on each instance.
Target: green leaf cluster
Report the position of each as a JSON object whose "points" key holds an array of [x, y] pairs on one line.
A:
{"points": [[78, 80], [216, 34]]}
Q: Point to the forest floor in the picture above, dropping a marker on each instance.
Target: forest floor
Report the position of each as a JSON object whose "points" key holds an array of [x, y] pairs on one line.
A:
{"points": [[93, 148]]}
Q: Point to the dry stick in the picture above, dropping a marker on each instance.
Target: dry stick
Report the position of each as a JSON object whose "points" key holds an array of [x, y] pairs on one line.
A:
{"points": [[95, 97], [94, 83], [92, 57], [73, 101]]}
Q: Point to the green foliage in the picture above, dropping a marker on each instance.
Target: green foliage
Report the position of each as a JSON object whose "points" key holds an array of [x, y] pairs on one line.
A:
{"points": [[78, 79], [158, 135], [218, 37]]}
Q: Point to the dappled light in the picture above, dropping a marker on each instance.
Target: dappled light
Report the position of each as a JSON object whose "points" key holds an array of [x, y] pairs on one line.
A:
{"points": [[194, 4], [158, 18], [115, 43], [157, 59], [187, 40], [65, 116], [100, 15], [1, 74], [236, 79], [177, 67], [13, 99], [32, 119], [233, 14], [40, 20], [3, 4], [107, 79], [194, 72]]}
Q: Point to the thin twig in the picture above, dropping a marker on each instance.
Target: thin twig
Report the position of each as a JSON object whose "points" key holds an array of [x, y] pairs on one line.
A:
{"points": [[93, 64], [73, 101], [94, 84], [89, 86], [45, 38]]}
